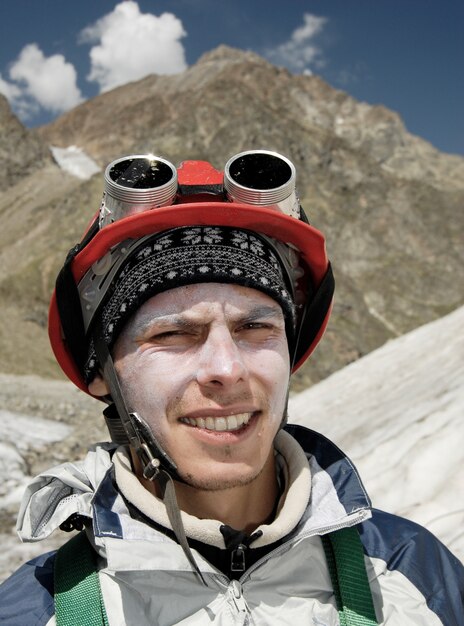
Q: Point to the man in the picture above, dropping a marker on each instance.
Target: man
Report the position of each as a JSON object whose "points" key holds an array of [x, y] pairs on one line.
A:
{"points": [[186, 307]]}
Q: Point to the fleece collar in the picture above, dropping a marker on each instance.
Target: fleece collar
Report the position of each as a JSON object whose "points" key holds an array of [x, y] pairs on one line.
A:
{"points": [[291, 507]]}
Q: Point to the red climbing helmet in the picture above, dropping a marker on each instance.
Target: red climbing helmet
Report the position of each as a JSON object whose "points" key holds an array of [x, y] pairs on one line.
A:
{"points": [[145, 195]]}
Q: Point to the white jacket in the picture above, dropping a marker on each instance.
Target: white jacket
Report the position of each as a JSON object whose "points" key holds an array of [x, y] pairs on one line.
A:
{"points": [[146, 578]]}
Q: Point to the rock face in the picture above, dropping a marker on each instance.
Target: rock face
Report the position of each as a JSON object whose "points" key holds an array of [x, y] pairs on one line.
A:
{"points": [[22, 151], [388, 202]]}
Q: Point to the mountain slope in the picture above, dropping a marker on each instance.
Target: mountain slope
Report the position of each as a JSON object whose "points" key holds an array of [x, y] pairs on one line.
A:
{"points": [[390, 204]]}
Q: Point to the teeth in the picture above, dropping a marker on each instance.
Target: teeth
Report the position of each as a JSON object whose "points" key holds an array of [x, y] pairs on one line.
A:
{"points": [[219, 424]]}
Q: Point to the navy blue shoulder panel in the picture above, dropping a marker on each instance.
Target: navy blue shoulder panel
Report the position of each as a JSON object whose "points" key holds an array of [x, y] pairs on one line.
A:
{"points": [[105, 520], [26, 597], [422, 558], [344, 476]]}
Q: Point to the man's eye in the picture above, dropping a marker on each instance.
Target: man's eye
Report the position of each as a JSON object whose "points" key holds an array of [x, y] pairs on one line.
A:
{"points": [[256, 327], [168, 335]]}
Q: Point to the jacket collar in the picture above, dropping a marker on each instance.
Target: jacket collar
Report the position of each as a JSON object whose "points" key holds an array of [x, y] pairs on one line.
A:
{"points": [[337, 497], [327, 497]]}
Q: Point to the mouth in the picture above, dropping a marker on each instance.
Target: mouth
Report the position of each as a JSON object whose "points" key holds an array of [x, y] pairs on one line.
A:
{"points": [[224, 423]]}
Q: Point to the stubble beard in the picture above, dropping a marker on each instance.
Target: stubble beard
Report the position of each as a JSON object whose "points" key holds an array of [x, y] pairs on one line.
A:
{"points": [[211, 484]]}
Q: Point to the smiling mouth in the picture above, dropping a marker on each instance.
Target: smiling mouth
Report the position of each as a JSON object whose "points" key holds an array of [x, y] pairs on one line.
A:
{"points": [[227, 423]]}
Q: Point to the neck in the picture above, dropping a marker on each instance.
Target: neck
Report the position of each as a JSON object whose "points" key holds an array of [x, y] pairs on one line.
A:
{"points": [[244, 507]]}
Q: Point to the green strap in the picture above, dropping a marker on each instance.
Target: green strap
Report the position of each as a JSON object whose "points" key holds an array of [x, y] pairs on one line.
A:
{"points": [[78, 598], [345, 557]]}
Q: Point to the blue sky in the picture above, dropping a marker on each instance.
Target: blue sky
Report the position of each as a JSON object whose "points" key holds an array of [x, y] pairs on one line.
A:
{"points": [[405, 54]]}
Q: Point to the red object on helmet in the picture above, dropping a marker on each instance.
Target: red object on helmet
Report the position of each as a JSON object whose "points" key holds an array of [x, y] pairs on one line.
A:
{"points": [[197, 206]]}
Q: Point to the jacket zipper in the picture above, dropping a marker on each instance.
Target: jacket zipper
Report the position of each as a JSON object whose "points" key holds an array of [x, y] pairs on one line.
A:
{"points": [[235, 590], [237, 558]]}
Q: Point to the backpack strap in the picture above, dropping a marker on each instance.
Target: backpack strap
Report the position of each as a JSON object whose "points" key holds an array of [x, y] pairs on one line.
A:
{"points": [[78, 597], [345, 557]]}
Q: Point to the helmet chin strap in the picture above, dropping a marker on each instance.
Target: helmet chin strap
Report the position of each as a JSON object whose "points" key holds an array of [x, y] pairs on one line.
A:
{"points": [[128, 427], [135, 430]]}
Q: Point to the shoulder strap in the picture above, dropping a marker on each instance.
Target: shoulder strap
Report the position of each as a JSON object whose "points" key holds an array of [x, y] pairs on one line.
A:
{"points": [[345, 557], [78, 598]]}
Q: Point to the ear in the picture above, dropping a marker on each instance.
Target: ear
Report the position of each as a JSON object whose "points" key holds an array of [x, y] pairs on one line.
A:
{"points": [[98, 386]]}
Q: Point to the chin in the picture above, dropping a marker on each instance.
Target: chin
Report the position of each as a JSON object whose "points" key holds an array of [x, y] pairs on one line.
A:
{"points": [[220, 481]]}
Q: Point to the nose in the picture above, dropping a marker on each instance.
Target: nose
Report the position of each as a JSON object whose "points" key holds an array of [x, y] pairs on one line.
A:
{"points": [[221, 362]]}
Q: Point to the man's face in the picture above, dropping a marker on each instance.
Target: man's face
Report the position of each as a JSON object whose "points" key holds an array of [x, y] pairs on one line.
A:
{"points": [[207, 367]]}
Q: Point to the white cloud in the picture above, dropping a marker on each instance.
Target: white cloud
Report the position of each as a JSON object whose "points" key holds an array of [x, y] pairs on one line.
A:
{"points": [[41, 82], [131, 45], [300, 51]]}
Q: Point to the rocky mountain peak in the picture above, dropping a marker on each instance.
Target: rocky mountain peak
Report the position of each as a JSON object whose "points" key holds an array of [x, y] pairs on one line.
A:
{"points": [[22, 151], [226, 54], [210, 105]]}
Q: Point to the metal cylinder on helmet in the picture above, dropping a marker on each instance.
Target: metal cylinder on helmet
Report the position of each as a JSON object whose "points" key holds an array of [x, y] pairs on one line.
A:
{"points": [[262, 178], [136, 183]]}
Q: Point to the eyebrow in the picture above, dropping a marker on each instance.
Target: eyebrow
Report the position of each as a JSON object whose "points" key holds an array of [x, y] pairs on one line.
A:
{"points": [[174, 320], [262, 312]]}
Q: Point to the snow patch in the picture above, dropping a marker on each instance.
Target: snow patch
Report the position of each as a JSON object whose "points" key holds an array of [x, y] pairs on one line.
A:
{"points": [[397, 413], [75, 161], [19, 433]]}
